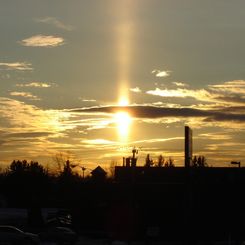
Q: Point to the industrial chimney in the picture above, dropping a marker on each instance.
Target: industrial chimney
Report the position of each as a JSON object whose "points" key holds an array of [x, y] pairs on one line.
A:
{"points": [[188, 146]]}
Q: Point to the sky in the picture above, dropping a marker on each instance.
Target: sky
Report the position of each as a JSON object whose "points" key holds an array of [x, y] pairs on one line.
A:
{"points": [[90, 79]]}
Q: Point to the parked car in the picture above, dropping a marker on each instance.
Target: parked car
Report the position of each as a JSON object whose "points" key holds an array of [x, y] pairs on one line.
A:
{"points": [[61, 218], [13, 235], [62, 235]]}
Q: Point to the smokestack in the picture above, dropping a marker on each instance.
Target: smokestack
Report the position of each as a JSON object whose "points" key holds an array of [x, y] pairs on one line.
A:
{"points": [[188, 146]]}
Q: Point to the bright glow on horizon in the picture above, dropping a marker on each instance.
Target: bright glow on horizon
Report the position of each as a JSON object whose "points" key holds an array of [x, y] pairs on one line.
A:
{"points": [[123, 121]]}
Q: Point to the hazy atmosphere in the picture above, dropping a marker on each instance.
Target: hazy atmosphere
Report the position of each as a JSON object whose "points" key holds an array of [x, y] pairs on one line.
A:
{"points": [[93, 78]]}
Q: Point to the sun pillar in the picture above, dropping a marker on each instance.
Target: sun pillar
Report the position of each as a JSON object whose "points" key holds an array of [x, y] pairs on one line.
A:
{"points": [[124, 38]]}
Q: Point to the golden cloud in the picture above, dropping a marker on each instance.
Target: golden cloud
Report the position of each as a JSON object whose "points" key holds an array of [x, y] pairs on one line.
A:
{"points": [[135, 90], [19, 66], [34, 84], [25, 95], [42, 41], [159, 73]]}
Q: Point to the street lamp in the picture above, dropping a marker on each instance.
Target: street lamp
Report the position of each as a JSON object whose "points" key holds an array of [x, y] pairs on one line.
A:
{"points": [[84, 169]]}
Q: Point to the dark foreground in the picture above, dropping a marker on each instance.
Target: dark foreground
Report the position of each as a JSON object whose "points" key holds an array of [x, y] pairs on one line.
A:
{"points": [[167, 206]]}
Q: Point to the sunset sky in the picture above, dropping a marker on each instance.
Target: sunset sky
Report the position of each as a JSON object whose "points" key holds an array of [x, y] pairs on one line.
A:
{"points": [[93, 78]]}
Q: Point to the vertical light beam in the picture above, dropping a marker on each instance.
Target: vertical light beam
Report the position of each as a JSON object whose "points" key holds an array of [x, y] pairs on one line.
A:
{"points": [[124, 37]]}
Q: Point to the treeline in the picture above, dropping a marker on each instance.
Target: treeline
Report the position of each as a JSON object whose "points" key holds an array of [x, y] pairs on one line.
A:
{"points": [[161, 161], [26, 184]]}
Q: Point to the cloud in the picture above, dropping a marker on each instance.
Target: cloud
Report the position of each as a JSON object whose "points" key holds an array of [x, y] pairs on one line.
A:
{"points": [[226, 94], [88, 100], [35, 133], [28, 131], [235, 87], [230, 92], [157, 140], [135, 90], [161, 112], [25, 135], [98, 142], [200, 94], [55, 22], [36, 119], [19, 66], [34, 84], [159, 73], [215, 136], [180, 84], [42, 41], [25, 95]]}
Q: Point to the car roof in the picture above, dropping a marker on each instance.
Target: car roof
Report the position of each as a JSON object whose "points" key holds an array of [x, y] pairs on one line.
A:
{"points": [[10, 226], [63, 228]]}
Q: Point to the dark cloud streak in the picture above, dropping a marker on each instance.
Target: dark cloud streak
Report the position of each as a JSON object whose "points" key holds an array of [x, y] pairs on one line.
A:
{"points": [[159, 112]]}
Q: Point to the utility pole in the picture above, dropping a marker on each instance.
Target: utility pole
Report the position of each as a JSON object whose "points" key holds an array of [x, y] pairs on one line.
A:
{"points": [[83, 169]]}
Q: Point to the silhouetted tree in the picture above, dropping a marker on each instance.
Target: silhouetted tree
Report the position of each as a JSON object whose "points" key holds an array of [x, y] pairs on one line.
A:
{"points": [[67, 182], [169, 162], [160, 161], [194, 161], [23, 167], [27, 182], [60, 160], [148, 161], [67, 168], [67, 172], [199, 161], [18, 166], [111, 169]]}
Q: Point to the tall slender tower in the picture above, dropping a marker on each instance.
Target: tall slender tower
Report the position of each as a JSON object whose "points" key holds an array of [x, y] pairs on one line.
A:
{"points": [[188, 146]]}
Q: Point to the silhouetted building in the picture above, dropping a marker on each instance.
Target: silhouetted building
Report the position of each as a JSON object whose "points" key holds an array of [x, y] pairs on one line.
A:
{"points": [[131, 161], [188, 146], [98, 173]]}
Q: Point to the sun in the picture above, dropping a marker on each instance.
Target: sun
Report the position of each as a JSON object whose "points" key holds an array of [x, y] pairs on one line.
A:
{"points": [[123, 121]]}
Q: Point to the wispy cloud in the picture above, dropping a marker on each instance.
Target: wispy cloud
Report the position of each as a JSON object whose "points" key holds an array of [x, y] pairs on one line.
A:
{"points": [[30, 132], [43, 41], [55, 22], [180, 84], [215, 136], [87, 100], [98, 142], [135, 90], [235, 87], [159, 73], [229, 93], [34, 84], [200, 94], [19, 66], [27, 127], [157, 140], [25, 95]]}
